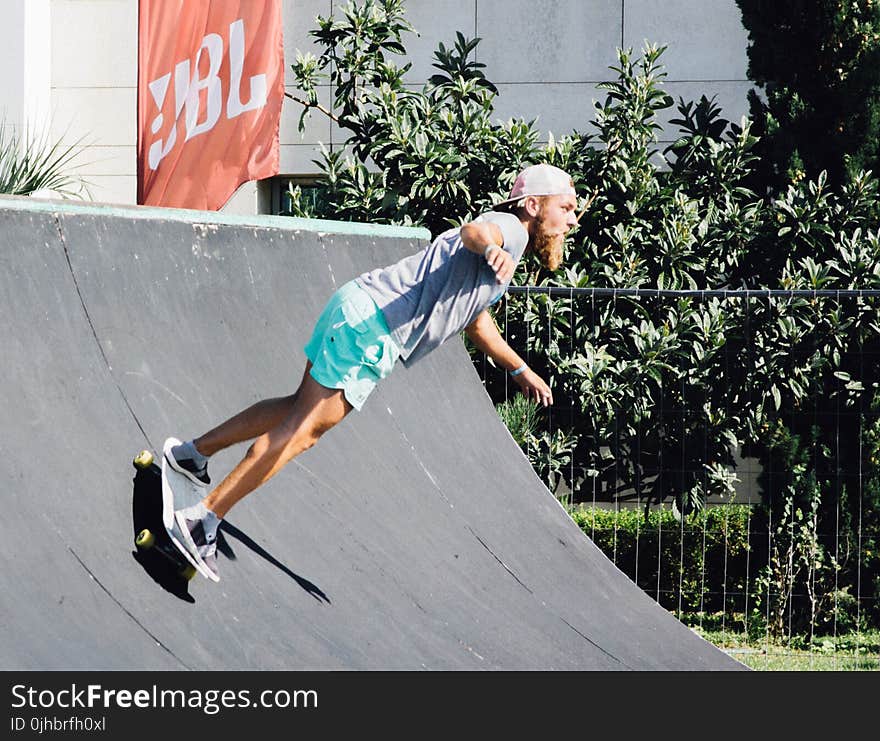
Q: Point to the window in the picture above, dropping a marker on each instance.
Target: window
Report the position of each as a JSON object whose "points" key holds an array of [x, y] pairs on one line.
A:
{"points": [[279, 192]]}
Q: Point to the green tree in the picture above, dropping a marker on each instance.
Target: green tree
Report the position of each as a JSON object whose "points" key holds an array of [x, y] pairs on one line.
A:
{"points": [[818, 64], [431, 156]]}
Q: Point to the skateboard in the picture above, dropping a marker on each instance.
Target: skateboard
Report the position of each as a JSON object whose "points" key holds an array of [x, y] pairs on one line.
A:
{"points": [[153, 537], [177, 492]]}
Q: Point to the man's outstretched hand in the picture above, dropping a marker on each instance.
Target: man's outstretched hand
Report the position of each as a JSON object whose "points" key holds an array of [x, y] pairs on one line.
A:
{"points": [[534, 387]]}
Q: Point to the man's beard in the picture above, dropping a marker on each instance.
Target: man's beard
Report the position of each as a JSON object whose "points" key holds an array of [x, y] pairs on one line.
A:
{"points": [[548, 247]]}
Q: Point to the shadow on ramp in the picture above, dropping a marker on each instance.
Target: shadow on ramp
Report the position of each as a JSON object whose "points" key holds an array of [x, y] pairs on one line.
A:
{"points": [[146, 513], [224, 547]]}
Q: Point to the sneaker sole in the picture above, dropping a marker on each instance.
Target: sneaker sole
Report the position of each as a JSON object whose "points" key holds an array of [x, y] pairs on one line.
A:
{"points": [[168, 509]]}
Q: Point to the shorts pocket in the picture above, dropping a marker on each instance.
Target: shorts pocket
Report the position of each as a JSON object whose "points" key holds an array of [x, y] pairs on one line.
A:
{"points": [[359, 310], [381, 355]]}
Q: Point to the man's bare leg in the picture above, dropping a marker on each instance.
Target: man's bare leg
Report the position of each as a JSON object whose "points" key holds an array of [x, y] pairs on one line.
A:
{"points": [[252, 422], [284, 428]]}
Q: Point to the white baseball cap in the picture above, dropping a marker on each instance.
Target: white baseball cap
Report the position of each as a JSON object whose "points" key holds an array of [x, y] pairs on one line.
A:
{"points": [[541, 180]]}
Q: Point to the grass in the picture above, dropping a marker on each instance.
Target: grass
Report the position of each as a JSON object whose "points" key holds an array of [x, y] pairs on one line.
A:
{"points": [[856, 652]]}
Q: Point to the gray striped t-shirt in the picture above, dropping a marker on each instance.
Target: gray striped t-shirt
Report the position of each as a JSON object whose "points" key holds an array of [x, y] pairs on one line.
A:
{"points": [[430, 296]]}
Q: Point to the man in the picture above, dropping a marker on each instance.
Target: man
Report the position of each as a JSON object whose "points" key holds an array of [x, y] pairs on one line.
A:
{"points": [[402, 311]]}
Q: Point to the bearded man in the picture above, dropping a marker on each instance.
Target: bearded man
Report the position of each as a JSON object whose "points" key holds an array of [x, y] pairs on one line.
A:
{"points": [[400, 312]]}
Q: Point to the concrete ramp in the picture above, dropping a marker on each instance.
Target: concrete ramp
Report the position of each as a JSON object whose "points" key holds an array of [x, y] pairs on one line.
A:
{"points": [[414, 535]]}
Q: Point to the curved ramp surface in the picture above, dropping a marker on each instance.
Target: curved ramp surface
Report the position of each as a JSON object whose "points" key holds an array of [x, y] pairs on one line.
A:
{"points": [[414, 535]]}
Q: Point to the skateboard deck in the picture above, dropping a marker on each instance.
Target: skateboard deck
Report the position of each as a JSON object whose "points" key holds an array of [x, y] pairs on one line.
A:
{"points": [[178, 491]]}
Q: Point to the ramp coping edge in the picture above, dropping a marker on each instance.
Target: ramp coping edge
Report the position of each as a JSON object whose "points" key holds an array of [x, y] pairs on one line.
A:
{"points": [[288, 223]]}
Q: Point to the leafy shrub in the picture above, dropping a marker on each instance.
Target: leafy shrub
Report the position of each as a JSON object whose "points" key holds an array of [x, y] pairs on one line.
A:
{"points": [[694, 564], [548, 451], [429, 157]]}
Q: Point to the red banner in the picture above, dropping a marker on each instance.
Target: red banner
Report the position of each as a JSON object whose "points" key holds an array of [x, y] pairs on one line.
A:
{"points": [[210, 89]]}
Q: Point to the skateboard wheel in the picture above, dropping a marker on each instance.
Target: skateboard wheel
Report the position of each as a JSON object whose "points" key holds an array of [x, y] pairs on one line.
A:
{"points": [[144, 459], [145, 540], [187, 572]]}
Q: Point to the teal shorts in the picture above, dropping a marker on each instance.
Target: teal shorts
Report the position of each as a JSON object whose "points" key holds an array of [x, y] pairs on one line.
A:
{"points": [[351, 347]]}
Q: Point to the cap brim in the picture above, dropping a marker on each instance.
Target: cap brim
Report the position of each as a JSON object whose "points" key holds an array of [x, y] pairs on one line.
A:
{"points": [[533, 195], [509, 200]]}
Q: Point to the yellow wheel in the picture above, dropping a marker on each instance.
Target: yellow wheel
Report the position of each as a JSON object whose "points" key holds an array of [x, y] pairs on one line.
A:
{"points": [[145, 540], [144, 459], [187, 572]]}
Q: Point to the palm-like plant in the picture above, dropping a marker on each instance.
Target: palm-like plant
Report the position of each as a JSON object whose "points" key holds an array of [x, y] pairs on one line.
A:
{"points": [[31, 163]]}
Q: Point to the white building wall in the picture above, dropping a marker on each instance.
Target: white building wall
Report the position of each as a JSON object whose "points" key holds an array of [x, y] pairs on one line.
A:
{"points": [[25, 76], [545, 57]]}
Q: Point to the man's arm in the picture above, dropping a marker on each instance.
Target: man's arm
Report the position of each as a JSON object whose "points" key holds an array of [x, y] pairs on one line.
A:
{"points": [[485, 238], [486, 337]]}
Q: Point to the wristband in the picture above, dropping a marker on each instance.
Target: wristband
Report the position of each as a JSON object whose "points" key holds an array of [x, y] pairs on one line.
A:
{"points": [[522, 369], [489, 247]]}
